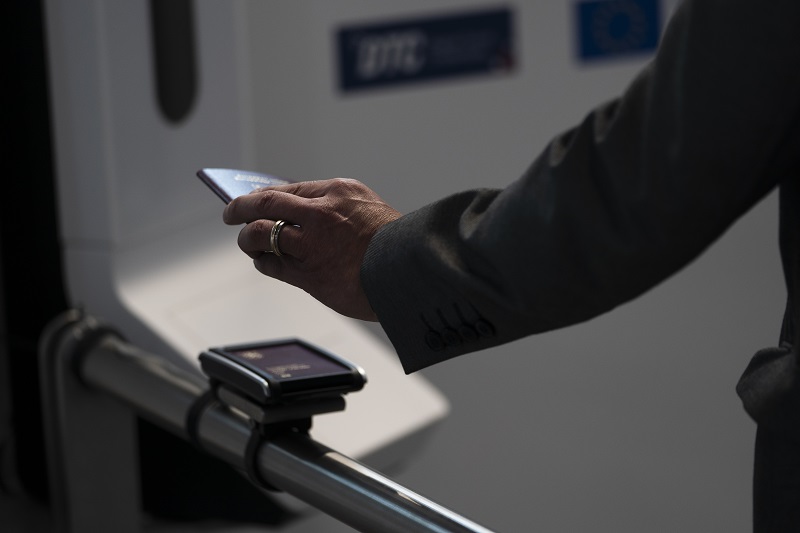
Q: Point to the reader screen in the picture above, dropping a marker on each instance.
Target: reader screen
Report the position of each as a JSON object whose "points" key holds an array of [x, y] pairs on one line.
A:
{"points": [[287, 361]]}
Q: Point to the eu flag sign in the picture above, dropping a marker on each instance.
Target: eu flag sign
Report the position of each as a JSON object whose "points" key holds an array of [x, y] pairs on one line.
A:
{"points": [[613, 28]]}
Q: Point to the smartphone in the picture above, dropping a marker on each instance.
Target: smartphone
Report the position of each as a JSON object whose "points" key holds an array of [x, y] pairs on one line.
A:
{"points": [[281, 371], [229, 183]]}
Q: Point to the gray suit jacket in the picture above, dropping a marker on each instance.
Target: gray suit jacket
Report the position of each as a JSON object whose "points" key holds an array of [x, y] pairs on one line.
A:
{"points": [[617, 204], [611, 207]]}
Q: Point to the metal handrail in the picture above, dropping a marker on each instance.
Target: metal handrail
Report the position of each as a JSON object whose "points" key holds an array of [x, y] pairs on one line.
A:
{"points": [[292, 462]]}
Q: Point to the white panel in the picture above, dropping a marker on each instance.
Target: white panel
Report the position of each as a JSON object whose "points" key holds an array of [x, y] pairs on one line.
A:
{"points": [[145, 246]]}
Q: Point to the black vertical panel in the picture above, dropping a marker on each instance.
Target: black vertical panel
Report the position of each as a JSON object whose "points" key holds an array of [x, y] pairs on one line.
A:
{"points": [[8, 475], [174, 57], [32, 288]]}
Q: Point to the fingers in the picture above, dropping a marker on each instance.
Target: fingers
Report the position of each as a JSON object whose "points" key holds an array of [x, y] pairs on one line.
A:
{"points": [[347, 298], [266, 204], [329, 225], [274, 267], [287, 202], [255, 239], [278, 268], [305, 189]]}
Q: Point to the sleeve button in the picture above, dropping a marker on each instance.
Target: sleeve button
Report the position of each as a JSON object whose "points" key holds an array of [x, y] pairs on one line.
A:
{"points": [[434, 341], [451, 337], [484, 328], [468, 333]]}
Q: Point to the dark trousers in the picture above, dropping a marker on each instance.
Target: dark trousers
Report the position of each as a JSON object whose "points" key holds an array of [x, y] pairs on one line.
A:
{"points": [[776, 483]]}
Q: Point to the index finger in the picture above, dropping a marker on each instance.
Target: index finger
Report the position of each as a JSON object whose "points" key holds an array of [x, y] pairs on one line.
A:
{"points": [[268, 204], [305, 189]]}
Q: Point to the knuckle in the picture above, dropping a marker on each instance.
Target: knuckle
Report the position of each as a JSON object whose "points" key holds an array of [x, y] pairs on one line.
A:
{"points": [[258, 227], [347, 184], [251, 233], [261, 225], [321, 214], [265, 201]]}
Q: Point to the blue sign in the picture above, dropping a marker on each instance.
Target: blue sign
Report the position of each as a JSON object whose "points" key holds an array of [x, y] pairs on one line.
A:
{"points": [[403, 52], [614, 28]]}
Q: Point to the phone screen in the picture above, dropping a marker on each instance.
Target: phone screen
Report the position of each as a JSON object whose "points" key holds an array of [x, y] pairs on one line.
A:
{"points": [[229, 183]]}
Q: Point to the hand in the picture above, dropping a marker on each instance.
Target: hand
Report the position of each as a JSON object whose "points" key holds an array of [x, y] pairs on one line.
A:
{"points": [[329, 225]]}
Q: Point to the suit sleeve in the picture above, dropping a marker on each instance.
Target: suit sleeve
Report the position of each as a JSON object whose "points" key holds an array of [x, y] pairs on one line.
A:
{"points": [[610, 208]]}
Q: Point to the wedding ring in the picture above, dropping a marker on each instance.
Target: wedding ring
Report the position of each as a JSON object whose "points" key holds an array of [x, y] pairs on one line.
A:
{"points": [[273, 237]]}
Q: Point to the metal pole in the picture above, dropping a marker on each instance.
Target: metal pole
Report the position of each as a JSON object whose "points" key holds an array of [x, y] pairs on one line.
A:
{"points": [[341, 487]]}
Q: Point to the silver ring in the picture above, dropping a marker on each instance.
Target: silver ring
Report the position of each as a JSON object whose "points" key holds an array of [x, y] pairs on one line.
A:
{"points": [[273, 237]]}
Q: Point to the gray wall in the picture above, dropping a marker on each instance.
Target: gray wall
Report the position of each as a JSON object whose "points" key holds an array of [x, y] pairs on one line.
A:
{"points": [[629, 422]]}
